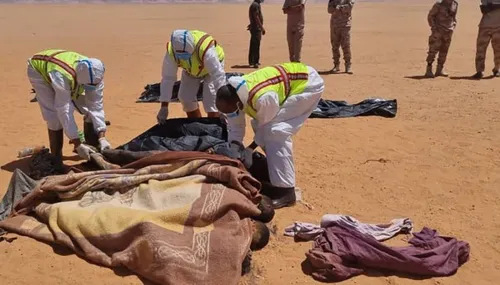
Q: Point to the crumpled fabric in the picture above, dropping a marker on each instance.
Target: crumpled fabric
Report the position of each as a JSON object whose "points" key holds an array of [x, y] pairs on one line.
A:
{"points": [[307, 231], [341, 252], [235, 150], [20, 185]]}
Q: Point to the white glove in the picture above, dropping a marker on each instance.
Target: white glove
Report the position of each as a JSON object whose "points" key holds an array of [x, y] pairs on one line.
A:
{"points": [[162, 115], [104, 144], [84, 151]]}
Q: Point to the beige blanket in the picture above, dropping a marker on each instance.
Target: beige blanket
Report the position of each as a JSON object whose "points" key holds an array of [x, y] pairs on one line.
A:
{"points": [[173, 217]]}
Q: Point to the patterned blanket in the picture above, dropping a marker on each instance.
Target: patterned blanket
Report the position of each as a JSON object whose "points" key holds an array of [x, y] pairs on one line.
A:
{"points": [[172, 217]]}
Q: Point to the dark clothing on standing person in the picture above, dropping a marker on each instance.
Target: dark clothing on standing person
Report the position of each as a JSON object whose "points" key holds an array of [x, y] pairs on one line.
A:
{"points": [[341, 252], [254, 51], [255, 28]]}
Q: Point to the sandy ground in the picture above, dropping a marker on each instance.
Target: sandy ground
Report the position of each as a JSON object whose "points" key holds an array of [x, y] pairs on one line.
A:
{"points": [[441, 152]]}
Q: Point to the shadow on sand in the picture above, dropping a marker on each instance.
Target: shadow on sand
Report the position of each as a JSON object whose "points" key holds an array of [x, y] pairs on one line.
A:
{"points": [[418, 77], [243, 66], [470, 78]]}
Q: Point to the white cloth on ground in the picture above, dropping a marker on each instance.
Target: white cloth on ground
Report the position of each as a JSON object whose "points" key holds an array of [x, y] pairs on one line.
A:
{"points": [[380, 232], [188, 90], [275, 125], [58, 108]]}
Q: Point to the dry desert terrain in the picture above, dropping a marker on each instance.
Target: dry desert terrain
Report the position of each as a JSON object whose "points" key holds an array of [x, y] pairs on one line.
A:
{"points": [[440, 154]]}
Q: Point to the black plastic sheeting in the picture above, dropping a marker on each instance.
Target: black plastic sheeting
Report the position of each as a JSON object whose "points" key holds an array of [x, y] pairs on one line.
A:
{"points": [[151, 92], [386, 108], [369, 107], [185, 134], [180, 134]]}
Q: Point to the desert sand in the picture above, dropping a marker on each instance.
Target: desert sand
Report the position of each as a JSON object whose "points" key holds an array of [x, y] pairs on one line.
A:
{"points": [[440, 154]]}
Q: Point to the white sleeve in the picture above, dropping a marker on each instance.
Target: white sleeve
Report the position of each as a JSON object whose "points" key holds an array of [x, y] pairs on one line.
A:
{"points": [[63, 105], [95, 105], [214, 68], [168, 78], [236, 128], [267, 107]]}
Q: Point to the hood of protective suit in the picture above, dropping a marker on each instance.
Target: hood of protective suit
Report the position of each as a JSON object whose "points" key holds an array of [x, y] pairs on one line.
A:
{"points": [[238, 83], [89, 71], [183, 41]]}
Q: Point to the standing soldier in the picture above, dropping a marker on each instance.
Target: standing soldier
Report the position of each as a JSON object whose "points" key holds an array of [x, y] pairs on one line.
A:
{"points": [[442, 19], [340, 32], [256, 28], [294, 9], [489, 30]]}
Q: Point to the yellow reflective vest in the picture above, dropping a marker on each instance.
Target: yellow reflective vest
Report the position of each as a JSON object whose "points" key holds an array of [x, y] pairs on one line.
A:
{"points": [[61, 60], [286, 79], [194, 66]]}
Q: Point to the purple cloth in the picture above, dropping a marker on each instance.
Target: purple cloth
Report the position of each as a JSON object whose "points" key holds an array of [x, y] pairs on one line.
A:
{"points": [[341, 252]]}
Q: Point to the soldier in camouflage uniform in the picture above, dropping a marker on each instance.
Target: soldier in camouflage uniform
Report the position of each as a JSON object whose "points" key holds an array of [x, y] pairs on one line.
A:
{"points": [[442, 20], [340, 32], [295, 11], [489, 30]]}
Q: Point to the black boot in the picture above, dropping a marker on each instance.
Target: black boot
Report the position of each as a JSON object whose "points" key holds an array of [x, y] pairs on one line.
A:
{"points": [[91, 137], [56, 140], [478, 75], [280, 196]]}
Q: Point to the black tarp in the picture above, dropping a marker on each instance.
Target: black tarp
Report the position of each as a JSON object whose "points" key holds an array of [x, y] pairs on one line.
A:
{"points": [[386, 108], [185, 134], [369, 107], [151, 92], [197, 134]]}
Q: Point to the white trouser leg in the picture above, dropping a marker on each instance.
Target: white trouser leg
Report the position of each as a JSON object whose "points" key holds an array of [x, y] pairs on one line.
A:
{"points": [[188, 91], [45, 96], [277, 134]]}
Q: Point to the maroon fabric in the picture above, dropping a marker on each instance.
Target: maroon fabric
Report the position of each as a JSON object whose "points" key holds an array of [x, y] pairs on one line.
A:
{"points": [[341, 252]]}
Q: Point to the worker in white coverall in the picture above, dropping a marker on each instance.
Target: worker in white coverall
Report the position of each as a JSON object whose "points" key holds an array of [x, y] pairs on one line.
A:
{"points": [[279, 98], [201, 58], [65, 81]]}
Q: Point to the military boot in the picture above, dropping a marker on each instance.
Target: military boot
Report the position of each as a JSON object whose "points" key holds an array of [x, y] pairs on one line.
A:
{"points": [[90, 134], [440, 71], [336, 68], [478, 75], [496, 73], [348, 68], [428, 72], [56, 141]]}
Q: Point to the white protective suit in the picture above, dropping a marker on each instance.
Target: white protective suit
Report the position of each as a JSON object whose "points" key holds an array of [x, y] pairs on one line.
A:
{"points": [[215, 79], [275, 125], [55, 100]]}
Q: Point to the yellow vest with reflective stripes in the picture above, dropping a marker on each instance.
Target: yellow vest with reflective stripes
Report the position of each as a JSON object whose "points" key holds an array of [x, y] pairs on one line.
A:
{"points": [[194, 66], [62, 61], [286, 79]]}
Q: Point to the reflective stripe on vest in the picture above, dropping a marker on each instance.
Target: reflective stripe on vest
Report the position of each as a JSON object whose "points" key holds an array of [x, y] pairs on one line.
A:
{"points": [[198, 47], [51, 58], [199, 69], [284, 77]]}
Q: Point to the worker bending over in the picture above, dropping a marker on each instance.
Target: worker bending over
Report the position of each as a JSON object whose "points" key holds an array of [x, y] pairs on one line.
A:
{"points": [[201, 58], [65, 81], [279, 98]]}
